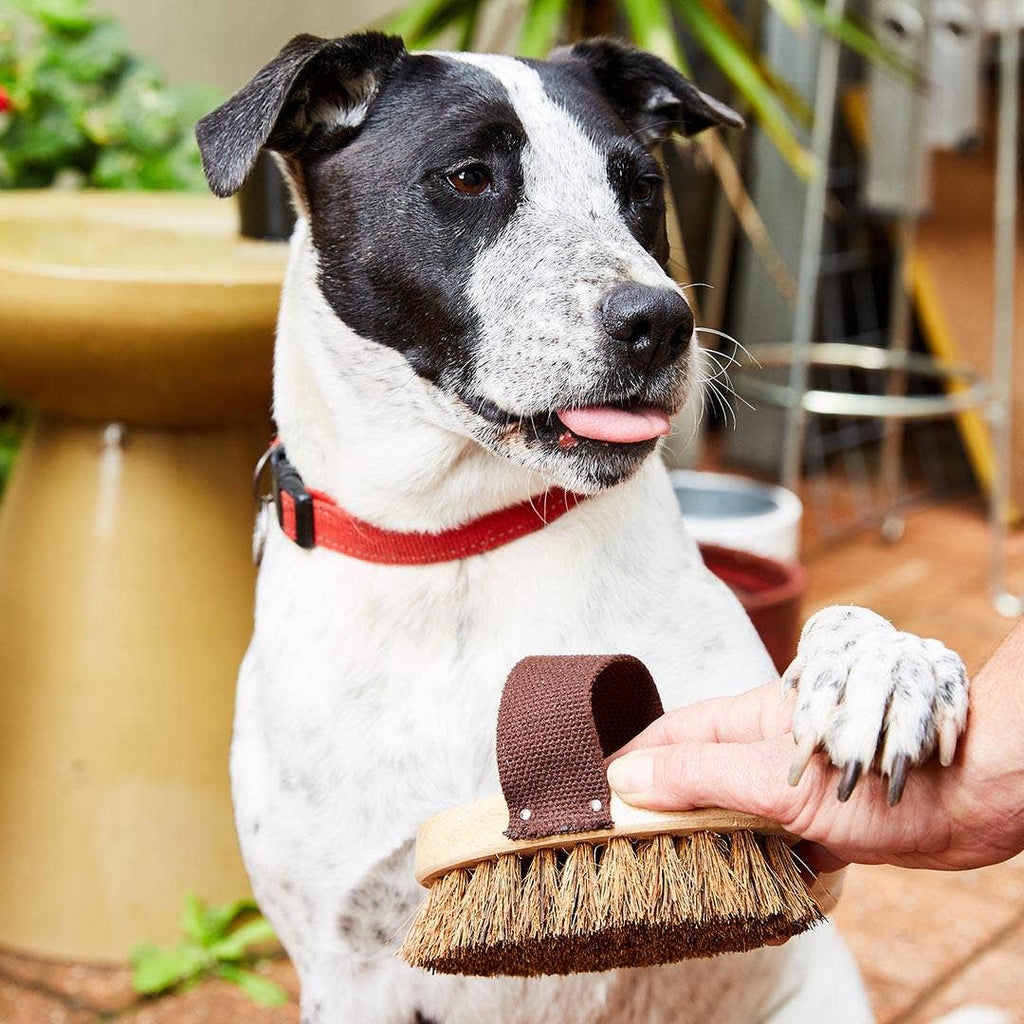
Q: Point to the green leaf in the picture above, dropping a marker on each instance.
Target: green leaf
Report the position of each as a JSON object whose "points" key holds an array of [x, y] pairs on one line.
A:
{"points": [[99, 53], [791, 12], [742, 71], [260, 990], [857, 35], [116, 167], [62, 15], [652, 27], [236, 945], [794, 103], [420, 23], [467, 33], [220, 916], [156, 970], [193, 920], [84, 108], [541, 27]]}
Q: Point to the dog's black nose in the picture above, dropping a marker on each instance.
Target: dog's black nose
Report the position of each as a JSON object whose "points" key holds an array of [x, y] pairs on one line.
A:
{"points": [[654, 325]]}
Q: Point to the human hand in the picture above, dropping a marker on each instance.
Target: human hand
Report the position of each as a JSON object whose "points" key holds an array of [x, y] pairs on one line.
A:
{"points": [[736, 752]]}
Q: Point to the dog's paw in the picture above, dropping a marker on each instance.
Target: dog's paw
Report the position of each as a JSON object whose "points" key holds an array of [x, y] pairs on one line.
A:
{"points": [[871, 695]]}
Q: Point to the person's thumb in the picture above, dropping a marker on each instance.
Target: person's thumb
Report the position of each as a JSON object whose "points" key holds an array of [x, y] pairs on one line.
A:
{"points": [[747, 777]]}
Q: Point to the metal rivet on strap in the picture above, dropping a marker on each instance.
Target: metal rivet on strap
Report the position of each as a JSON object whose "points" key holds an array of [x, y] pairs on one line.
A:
{"points": [[526, 814], [596, 805]]}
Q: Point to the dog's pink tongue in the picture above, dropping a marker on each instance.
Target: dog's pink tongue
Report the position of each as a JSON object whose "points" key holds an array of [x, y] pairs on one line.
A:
{"points": [[622, 426]]}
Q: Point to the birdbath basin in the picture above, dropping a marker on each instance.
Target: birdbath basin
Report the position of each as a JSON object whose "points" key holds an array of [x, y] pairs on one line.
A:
{"points": [[139, 327], [142, 307]]}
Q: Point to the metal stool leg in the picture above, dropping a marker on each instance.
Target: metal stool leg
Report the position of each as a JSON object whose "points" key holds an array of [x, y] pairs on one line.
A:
{"points": [[1002, 357]]}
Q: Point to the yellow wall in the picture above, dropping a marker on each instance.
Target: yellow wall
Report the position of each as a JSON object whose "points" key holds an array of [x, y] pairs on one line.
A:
{"points": [[224, 41]]}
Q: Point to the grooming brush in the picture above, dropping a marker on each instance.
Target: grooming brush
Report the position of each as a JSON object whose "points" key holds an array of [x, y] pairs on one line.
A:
{"points": [[558, 876]]}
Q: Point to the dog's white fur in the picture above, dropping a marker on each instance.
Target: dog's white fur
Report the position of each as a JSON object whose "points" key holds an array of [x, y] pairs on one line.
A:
{"points": [[368, 697], [536, 288]]}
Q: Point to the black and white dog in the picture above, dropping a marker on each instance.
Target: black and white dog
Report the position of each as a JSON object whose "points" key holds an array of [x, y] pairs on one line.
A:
{"points": [[475, 310]]}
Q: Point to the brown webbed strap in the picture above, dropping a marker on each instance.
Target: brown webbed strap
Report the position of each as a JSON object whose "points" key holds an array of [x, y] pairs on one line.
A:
{"points": [[560, 717]]}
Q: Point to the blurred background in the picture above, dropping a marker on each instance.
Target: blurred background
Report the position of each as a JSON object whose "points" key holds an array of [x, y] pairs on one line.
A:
{"points": [[854, 261]]}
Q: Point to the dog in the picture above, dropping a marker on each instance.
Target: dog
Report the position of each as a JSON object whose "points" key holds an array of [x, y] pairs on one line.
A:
{"points": [[476, 310]]}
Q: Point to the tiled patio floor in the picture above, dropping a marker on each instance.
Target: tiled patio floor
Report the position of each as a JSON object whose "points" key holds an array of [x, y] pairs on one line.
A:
{"points": [[927, 942]]}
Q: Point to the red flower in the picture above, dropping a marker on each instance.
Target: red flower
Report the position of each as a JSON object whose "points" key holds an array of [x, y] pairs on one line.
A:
{"points": [[5, 100]]}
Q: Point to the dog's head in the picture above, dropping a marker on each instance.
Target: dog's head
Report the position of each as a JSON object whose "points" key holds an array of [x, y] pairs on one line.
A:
{"points": [[499, 222]]}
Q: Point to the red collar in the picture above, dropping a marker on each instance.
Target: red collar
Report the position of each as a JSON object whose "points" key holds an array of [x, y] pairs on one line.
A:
{"points": [[313, 519]]}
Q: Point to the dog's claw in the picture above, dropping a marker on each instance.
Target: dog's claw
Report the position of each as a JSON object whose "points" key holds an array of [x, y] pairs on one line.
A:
{"points": [[897, 779], [851, 776], [790, 678], [874, 698], [804, 752], [947, 741]]}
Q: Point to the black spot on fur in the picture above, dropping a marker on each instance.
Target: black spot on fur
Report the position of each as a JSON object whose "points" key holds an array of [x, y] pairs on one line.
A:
{"points": [[396, 241], [376, 910]]}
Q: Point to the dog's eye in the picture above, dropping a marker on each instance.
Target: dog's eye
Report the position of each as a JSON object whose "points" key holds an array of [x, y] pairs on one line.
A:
{"points": [[470, 181], [643, 188]]}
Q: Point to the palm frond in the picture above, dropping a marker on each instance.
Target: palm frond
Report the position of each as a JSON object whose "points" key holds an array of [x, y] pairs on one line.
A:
{"points": [[737, 65], [422, 21], [542, 27]]}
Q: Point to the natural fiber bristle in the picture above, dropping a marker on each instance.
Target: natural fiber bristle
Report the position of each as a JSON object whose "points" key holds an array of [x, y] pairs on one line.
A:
{"points": [[705, 862], [758, 891], [670, 892], [473, 915], [625, 903], [432, 933], [800, 905], [540, 894], [622, 892], [577, 912], [506, 886]]}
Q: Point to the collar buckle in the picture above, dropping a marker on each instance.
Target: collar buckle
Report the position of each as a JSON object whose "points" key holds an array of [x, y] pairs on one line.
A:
{"points": [[286, 479]]}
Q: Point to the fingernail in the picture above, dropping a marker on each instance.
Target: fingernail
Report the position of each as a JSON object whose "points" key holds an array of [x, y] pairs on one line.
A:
{"points": [[947, 742], [633, 773]]}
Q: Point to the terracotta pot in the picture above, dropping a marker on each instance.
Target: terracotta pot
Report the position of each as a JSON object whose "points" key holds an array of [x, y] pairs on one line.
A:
{"points": [[770, 592]]}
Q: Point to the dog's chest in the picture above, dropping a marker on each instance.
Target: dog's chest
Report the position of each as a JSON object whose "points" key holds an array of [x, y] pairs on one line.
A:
{"points": [[372, 692]]}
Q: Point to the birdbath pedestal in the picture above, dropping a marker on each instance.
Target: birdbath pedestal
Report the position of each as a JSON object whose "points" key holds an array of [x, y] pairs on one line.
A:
{"points": [[139, 328]]}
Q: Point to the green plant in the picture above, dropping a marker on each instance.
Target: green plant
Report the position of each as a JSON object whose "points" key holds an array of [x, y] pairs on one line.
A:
{"points": [[12, 427], [655, 25], [77, 108], [220, 941]]}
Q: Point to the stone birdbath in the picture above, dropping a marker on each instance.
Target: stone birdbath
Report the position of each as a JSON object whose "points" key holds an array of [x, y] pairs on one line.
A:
{"points": [[139, 327]]}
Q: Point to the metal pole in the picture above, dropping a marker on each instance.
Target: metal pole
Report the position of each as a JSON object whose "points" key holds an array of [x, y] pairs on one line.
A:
{"points": [[1005, 266], [900, 312], [810, 248]]}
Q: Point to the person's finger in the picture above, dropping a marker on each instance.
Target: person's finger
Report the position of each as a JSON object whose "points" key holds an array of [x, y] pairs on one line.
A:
{"points": [[755, 715], [747, 777]]}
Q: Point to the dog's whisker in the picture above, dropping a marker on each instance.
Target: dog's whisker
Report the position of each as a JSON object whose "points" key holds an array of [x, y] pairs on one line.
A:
{"points": [[728, 337], [721, 372], [712, 353]]}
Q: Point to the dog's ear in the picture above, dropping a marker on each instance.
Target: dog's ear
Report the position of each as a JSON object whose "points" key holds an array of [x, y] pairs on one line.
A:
{"points": [[652, 97], [315, 91]]}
